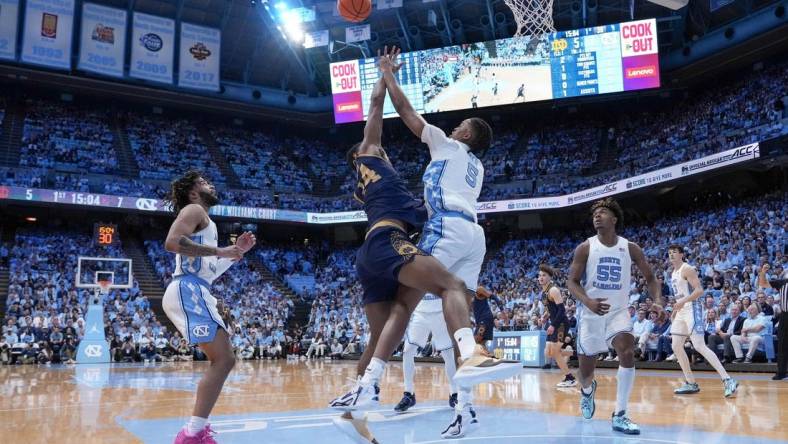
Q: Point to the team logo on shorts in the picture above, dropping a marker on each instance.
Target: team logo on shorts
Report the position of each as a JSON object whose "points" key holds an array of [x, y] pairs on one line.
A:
{"points": [[201, 331], [199, 51], [103, 34], [49, 25], [152, 42]]}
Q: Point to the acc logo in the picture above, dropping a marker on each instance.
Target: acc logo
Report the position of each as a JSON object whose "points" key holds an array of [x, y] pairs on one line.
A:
{"points": [[487, 206], [201, 331], [200, 51], [93, 351], [152, 42], [559, 45], [146, 204]]}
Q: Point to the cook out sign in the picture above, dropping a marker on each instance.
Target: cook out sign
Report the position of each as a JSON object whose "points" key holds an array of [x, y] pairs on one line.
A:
{"points": [[345, 77], [639, 38]]}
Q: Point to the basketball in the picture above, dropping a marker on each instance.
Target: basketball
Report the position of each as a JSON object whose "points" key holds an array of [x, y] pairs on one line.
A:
{"points": [[354, 10]]}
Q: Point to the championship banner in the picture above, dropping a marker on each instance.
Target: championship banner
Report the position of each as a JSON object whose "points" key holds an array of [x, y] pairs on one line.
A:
{"points": [[388, 4], [152, 48], [355, 34], [199, 57], [316, 38], [49, 25], [103, 40], [9, 12]]}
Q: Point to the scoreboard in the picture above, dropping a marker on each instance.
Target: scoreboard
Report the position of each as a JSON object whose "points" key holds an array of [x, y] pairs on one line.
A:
{"points": [[582, 62]]}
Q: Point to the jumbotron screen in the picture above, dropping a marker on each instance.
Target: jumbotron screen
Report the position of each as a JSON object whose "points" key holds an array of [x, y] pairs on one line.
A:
{"points": [[583, 62]]}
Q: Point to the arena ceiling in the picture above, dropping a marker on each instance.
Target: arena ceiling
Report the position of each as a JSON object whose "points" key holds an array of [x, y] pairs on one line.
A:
{"points": [[255, 52]]}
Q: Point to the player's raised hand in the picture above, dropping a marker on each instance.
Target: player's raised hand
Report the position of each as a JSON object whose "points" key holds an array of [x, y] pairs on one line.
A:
{"points": [[387, 60], [598, 306], [246, 241]]}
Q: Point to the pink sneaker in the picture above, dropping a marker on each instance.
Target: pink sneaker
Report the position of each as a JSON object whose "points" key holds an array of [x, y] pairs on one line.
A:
{"points": [[204, 437]]}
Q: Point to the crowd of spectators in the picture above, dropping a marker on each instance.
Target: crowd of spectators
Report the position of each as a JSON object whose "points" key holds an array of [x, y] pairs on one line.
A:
{"points": [[45, 317], [163, 146], [67, 137], [291, 172]]}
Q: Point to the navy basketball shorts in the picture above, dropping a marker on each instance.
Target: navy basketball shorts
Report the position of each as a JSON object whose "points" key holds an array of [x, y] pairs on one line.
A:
{"points": [[487, 335], [379, 261], [559, 331]]}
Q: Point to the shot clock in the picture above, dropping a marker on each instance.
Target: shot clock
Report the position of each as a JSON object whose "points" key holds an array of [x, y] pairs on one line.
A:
{"points": [[105, 235]]}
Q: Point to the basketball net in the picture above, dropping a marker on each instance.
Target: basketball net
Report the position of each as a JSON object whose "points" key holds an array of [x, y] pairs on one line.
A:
{"points": [[533, 17], [104, 286]]}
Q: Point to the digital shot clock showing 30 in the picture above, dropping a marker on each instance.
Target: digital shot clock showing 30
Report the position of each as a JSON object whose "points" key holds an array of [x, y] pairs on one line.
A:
{"points": [[105, 235]]}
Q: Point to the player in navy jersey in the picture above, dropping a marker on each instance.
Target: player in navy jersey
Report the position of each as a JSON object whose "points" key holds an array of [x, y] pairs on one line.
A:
{"points": [[394, 273], [559, 323], [483, 316]]}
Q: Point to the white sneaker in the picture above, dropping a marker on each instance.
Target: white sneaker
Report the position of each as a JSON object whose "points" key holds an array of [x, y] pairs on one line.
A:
{"points": [[481, 367], [609, 358], [359, 397], [465, 421], [671, 358], [355, 429]]}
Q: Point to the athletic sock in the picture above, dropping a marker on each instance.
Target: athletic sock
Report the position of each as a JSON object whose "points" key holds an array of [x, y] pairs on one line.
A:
{"points": [[374, 372], [409, 367], [626, 379], [450, 366], [195, 425], [465, 342], [586, 390]]}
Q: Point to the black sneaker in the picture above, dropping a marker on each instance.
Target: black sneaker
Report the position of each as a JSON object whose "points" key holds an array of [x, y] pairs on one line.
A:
{"points": [[452, 400], [408, 400], [779, 377]]}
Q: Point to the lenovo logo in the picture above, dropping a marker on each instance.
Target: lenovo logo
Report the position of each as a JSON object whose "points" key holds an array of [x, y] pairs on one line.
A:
{"points": [[641, 71]]}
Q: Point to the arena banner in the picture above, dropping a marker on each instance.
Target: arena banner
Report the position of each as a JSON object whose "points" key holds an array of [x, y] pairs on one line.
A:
{"points": [[664, 175], [103, 40], [199, 57], [9, 13], [49, 25], [152, 48]]}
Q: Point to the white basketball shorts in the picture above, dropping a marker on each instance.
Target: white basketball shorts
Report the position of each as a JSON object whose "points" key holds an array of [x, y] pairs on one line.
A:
{"points": [[192, 309], [595, 333]]}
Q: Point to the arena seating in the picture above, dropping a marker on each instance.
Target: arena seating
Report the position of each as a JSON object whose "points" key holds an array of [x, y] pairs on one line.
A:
{"points": [[71, 138]]}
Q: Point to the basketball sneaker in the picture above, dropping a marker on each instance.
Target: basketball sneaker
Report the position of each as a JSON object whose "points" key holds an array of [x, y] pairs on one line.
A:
{"points": [[408, 400], [624, 425], [731, 385], [587, 404], [481, 367], [569, 381], [465, 421], [205, 436], [688, 388], [359, 397], [355, 429], [453, 400]]}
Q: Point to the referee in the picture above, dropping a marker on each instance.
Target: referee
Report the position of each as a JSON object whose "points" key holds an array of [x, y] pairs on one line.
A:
{"points": [[781, 285]]}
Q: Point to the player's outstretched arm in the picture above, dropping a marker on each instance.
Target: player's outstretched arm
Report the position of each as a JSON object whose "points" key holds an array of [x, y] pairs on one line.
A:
{"points": [[412, 119], [373, 130], [654, 289], [178, 241]]}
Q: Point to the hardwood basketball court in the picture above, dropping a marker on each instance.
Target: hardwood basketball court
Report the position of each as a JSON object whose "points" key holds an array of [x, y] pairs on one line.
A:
{"points": [[285, 402]]}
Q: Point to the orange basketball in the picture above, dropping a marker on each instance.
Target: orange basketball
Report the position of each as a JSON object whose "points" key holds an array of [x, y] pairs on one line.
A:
{"points": [[354, 10]]}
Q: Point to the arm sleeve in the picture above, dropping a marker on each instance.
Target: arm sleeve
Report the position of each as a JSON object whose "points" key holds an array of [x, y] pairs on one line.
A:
{"points": [[222, 265], [778, 283], [440, 145]]}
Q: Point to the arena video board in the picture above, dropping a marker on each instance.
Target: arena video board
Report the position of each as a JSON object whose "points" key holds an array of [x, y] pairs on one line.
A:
{"points": [[582, 62]]}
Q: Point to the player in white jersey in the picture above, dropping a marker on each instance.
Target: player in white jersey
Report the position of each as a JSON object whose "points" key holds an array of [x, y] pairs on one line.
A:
{"points": [[688, 322], [452, 184], [603, 319], [188, 302]]}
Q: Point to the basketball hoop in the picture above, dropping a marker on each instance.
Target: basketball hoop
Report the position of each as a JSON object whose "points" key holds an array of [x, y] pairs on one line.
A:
{"points": [[533, 17], [104, 286]]}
